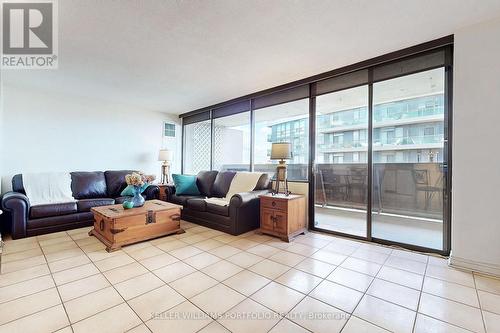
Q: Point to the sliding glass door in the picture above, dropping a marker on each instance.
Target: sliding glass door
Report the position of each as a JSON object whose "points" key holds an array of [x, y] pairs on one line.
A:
{"points": [[408, 156], [380, 166], [341, 156]]}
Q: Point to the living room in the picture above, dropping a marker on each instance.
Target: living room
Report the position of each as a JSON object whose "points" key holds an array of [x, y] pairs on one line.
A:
{"points": [[249, 166]]}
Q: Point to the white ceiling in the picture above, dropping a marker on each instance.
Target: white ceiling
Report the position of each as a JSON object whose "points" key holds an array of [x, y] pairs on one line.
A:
{"points": [[175, 56]]}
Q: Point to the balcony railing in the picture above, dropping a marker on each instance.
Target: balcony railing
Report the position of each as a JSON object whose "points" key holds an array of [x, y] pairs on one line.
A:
{"points": [[410, 189], [408, 140], [379, 116], [403, 113]]}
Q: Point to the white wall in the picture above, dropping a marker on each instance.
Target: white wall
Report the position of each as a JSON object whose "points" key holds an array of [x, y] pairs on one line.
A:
{"points": [[476, 157], [48, 132]]}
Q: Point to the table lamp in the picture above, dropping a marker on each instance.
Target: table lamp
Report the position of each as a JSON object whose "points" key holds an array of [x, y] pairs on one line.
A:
{"points": [[281, 151], [165, 155]]}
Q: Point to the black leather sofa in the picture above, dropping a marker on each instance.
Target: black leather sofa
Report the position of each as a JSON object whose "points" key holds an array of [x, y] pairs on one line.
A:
{"points": [[90, 189], [241, 215]]}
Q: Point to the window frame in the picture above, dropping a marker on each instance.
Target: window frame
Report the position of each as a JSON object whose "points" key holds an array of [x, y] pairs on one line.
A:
{"points": [[392, 65]]}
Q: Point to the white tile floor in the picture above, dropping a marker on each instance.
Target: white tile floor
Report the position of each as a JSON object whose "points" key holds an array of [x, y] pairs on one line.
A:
{"points": [[207, 281]]}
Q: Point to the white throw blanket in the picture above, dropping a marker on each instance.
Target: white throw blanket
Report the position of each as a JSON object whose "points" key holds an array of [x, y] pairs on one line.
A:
{"points": [[48, 188], [242, 182]]}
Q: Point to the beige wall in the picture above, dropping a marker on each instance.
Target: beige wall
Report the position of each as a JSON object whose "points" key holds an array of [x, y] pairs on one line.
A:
{"points": [[476, 138], [47, 132]]}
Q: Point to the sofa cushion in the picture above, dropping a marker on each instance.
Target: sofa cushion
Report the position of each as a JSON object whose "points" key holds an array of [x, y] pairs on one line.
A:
{"points": [[185, 184], [222, 183], [263, 182], [84, 205], [55, 221], [49, 210], [88, 185], [197, 204], [217, 209], [205, 181], [115, 182], [17, 184], [182, 199]]}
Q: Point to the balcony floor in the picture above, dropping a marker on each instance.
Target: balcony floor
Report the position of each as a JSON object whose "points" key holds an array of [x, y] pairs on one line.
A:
{"points": [[397, 228]]}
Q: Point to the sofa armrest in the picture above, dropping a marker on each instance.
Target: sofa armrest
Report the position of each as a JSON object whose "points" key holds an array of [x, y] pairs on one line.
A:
{"points": [[242, 199], [169, 191], [151, 192], [244, 211], [18, 205]]}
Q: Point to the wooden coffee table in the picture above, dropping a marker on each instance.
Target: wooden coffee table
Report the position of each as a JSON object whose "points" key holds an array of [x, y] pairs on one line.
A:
{"points": [[116, 226]]}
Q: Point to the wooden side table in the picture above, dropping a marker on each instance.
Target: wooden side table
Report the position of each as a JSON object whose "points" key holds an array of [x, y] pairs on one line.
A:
{"points": [[283, 216], [163, 195]]}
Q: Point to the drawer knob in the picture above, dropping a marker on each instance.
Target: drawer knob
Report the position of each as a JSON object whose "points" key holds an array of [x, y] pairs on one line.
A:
{"points": [[273, 203]]}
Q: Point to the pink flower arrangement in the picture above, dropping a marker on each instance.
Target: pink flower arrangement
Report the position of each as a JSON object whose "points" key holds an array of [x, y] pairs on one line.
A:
{"points": [[139, 179]]}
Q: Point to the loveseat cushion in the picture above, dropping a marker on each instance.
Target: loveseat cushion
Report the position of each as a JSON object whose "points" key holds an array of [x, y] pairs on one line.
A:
{"points": [[17, 184], [115, 181], [54, 221], [88, 185], [185, 184], [84, 205], [197, 204], [205, 181], [263, 182], [182, 199], [222, 183], [48, 210], [217, 209]]}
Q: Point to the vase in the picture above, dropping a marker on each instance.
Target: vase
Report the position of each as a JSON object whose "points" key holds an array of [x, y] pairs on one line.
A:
{"points": [[138, 200]]}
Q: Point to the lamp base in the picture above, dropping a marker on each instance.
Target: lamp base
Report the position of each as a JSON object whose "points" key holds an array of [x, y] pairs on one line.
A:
{"points": [[165, 171], [281, 179]]}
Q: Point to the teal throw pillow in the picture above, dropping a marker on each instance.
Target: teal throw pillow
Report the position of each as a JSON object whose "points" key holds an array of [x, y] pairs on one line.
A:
{"points": [[129, 190], [185, 185]]}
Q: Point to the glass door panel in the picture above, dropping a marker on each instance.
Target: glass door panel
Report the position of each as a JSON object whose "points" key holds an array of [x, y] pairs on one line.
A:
{"points": [[408, 156], [341, 169]]}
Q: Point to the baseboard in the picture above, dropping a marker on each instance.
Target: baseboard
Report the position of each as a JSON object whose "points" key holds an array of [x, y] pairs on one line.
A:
{"points": [[480, 267]]}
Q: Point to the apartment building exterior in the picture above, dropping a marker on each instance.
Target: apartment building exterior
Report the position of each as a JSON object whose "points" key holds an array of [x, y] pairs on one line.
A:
{"points": [[404, 131]]}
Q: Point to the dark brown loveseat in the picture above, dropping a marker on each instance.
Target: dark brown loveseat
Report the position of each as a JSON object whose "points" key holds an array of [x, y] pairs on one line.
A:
{"points": [[90, 189], [241, 215]]}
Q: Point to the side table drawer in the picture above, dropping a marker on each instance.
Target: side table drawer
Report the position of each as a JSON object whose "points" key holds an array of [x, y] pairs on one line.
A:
{"points": [[274, 204]]}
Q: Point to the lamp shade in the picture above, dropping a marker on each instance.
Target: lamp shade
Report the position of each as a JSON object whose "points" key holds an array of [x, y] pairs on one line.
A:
{"points": [[281, 150], [165, 155]]}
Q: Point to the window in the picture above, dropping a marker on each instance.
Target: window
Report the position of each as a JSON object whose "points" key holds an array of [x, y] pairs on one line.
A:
{"points": [[428, 131], [231, 149], [169, 130], [288, 122]]}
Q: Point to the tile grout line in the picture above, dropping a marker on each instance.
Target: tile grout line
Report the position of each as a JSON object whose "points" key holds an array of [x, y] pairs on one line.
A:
{"points": [[57, 289], [420, 295], [479, 302], [124, 301], [364, 294]]}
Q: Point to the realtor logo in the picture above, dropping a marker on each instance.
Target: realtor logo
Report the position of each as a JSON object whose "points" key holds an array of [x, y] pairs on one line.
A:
{"points": [[29, 34]]}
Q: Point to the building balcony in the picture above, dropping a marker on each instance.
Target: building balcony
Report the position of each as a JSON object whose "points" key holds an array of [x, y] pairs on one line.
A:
{"points": [[381, 122], [404, 143]]}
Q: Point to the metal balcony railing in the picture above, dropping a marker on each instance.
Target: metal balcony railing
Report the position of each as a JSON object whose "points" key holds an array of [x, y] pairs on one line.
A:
{"points": [[410, 189]]}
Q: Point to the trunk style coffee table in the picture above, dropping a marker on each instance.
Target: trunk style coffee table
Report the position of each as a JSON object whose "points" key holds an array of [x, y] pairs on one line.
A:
{"points": [[116, 226]]}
